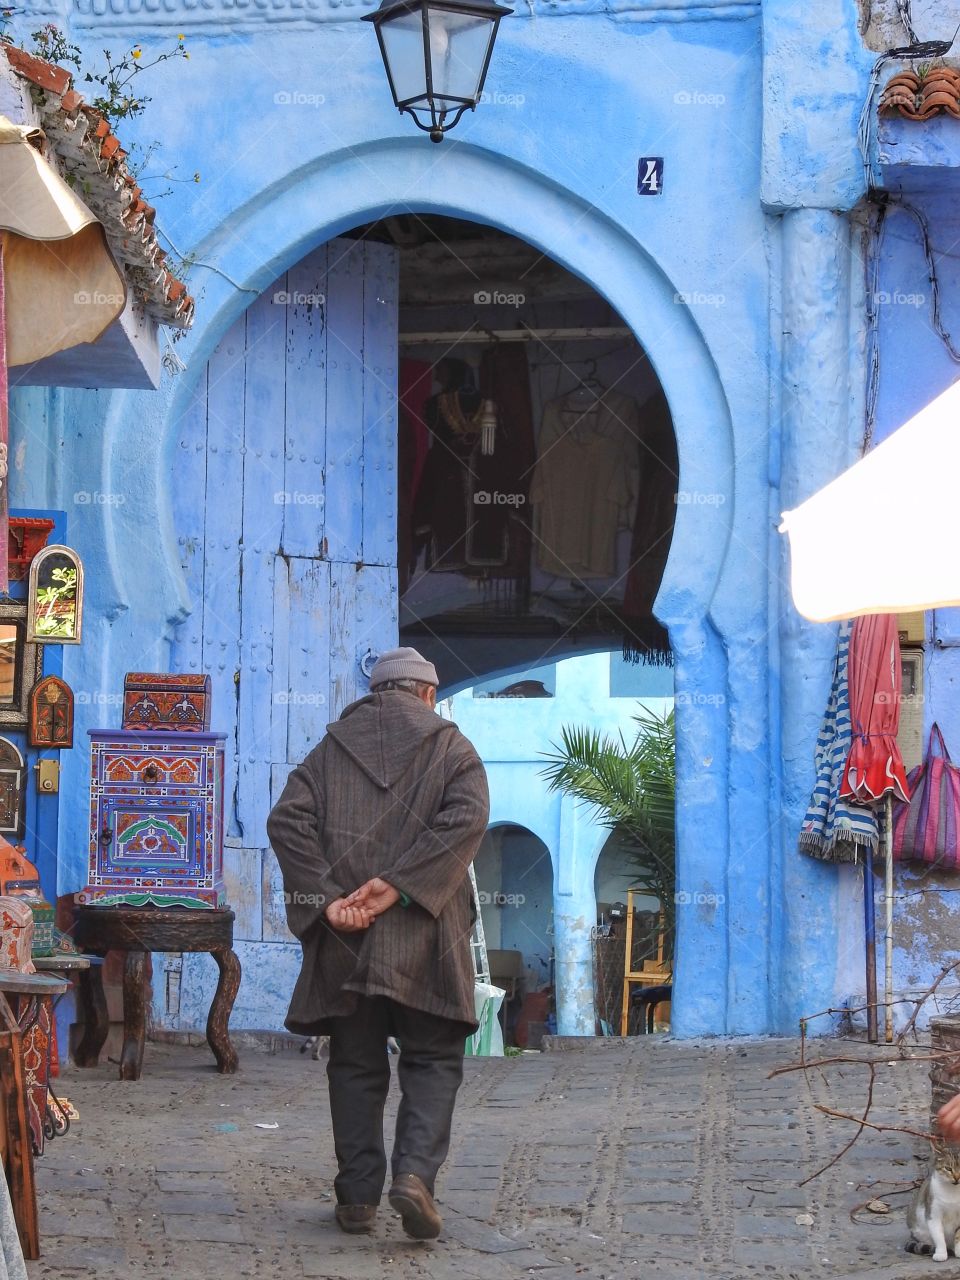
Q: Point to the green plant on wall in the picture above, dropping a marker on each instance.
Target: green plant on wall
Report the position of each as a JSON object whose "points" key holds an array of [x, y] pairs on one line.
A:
{"points": [[118, 95], [632, 789], [57, 605]]}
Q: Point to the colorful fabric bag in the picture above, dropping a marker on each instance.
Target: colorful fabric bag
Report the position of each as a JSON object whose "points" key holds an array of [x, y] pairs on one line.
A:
{"points": [[927, 829]]}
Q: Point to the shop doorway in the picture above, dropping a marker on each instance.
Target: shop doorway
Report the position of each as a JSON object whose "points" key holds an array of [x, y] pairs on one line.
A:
{"points": [[515, 890], [537, 464]]}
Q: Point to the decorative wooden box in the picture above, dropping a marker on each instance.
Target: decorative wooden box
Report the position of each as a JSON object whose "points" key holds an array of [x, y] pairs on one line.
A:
{"points": [[163, 702], [156, 819]]}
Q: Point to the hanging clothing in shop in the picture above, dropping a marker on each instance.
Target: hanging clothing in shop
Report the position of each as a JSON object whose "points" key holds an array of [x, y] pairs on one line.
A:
{"points": [[414, 384], [585, 484], [470, 505], [505, 379], [443, 510], [644, 637]]}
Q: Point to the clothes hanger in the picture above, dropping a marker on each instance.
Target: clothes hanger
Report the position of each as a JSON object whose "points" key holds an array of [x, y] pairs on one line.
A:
{"points": [[589, 389]]}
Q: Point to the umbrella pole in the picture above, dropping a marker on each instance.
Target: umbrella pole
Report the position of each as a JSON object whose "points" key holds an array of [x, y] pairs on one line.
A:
{"points": [[870, 940], [888, 904]]}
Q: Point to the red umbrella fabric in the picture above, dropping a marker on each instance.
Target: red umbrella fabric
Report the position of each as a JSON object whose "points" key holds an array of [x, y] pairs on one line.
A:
{"points": [[875, 767]]}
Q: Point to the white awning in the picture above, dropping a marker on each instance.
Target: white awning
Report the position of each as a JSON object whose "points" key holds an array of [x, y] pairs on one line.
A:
{"points": [[884, 537]]}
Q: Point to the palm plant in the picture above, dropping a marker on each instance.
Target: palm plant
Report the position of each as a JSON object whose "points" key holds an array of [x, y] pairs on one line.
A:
{"points": [[632, 789]]}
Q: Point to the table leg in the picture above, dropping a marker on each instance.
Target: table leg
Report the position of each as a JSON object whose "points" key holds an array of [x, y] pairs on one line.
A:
{"points": [[96, 1021], [134, 1014], [218, 1020]]}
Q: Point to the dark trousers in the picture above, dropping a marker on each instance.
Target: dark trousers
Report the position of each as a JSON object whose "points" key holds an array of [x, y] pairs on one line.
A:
{"points": [[429, 1068]]}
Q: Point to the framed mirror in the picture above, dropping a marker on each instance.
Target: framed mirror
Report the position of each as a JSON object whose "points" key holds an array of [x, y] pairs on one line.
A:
{"points": [[21, 665], [12, 791], [55, 597]]}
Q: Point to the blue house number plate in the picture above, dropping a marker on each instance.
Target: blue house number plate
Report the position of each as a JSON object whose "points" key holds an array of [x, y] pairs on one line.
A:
{"points": [[650, 175]]}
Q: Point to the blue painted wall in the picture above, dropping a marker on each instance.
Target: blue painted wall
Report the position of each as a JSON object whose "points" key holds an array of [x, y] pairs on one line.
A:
{"points": [[743, 283]]}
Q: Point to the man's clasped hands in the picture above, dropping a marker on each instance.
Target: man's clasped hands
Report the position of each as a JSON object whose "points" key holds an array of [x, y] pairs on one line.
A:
{"points": [[359, 909]]}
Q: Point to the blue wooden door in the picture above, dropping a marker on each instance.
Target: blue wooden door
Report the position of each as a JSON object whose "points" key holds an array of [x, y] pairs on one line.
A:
{"points": [[286, 514]]}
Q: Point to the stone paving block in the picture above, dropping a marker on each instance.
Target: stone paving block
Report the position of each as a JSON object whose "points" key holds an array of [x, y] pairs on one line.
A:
{"points": [[346, 1265], [760, 1226], [650, 1193], [654, 1224], [220, 1230], [470, 1204], [477, 1236], [658, 1172], [77, 1182], [183, 1162], [187, 1202], [471, 1180], [556, 1197], [91, 1226], [92, 1258], [186, 1182], [769, 1254]]}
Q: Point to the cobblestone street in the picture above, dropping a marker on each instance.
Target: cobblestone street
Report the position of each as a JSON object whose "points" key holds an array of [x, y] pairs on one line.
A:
{"points": [[659, 1158]]}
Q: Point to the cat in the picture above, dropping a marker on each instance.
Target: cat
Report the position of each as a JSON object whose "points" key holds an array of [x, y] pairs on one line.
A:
{"points": [[934, 1214], [315, 1045]]}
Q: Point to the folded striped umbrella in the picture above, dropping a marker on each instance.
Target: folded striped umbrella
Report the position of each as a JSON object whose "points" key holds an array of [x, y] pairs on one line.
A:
{"points": [[834, 829]]}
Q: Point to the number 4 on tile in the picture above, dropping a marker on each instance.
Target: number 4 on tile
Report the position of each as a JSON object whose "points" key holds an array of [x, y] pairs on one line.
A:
{"points": [[650, 175]]}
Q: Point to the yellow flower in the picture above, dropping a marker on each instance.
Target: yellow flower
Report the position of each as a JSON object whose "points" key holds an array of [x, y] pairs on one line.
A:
{"points": [[181, 36], [186, 55], [136, 53]]}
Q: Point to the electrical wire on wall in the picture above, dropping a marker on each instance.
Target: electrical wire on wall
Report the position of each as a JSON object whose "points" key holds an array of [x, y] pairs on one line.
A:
{"points": [[872, 269]]}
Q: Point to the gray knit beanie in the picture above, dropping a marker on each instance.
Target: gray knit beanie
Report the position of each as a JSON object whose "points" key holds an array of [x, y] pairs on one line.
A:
{"points": [[403, 664]]}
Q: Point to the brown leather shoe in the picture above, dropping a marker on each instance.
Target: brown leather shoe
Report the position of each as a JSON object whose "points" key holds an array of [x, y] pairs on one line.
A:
{"points": [[356, 1219], [414, 1203]]}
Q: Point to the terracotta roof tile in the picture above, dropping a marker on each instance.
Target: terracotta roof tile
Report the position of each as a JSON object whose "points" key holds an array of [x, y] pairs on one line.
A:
{"points": [[46, 75], [83, 142], [922, 97]]}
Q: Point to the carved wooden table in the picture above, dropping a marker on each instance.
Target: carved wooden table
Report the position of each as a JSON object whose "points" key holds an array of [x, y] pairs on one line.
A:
{"points": [[137, 931]]}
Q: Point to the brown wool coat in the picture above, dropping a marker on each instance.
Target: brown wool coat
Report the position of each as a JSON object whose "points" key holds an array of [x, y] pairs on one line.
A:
{"points": [[391, 791]]}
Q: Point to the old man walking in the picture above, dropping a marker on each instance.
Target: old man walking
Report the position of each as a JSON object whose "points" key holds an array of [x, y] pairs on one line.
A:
{"points": [[375, 833]]}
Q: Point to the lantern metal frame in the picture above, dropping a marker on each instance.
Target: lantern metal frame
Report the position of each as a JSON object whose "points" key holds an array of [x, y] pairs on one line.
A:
{"points": [[440, 106]]}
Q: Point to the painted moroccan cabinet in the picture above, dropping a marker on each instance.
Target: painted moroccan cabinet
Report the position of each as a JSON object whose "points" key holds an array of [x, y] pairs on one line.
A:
{"points": [[156, 819]]}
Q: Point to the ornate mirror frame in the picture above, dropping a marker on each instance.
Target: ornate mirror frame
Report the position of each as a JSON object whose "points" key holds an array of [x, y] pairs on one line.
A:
{"points": [[36, 564], [28, 669]]}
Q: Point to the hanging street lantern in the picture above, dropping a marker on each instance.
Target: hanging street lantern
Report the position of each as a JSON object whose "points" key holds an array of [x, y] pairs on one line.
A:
{"points": [[436, 53]]}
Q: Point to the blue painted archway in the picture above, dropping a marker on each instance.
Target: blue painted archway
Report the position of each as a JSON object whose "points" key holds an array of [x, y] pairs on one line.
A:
{"points": [[707, 612]]}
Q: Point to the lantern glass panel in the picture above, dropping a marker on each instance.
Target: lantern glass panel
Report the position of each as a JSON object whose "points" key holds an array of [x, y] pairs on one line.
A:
{"points": [[458, 52], [403, 45]]}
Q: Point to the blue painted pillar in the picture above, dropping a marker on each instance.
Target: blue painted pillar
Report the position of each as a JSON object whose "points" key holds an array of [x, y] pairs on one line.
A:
{"points": [[821, 424], [574, 915]]}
